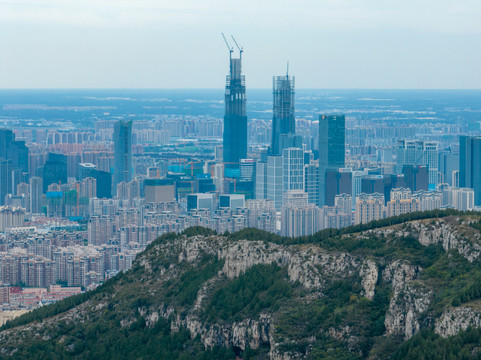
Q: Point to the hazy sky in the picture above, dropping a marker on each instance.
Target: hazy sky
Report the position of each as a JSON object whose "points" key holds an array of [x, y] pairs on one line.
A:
{"points": [[178, 43]]}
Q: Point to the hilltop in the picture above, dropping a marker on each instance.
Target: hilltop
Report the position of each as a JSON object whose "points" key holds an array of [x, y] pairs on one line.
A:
{"points": [[397, 289]]}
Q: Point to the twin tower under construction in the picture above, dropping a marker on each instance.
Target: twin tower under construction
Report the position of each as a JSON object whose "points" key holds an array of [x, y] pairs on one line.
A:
{"points": [[235, 118]]}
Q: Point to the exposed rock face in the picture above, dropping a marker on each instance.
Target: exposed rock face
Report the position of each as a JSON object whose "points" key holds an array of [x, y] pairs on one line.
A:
{"points": [[448, 236], [243, 254], [408, 301], [455, 319], [306, 265], [369, 274], [243, 334]]}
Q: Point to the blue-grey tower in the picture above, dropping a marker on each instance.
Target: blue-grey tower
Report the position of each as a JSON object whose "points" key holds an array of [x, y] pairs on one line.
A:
{"points": [[283, 119], [332, 138], [122, 152], [470, 165], [235, 118]]}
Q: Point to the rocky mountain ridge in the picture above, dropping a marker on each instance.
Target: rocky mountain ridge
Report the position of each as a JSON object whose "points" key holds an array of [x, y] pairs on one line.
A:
{"points": [[353, 296]]}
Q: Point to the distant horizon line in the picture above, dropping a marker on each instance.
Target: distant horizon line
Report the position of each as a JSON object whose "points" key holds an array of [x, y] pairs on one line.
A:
{"points": [[222, 89]]}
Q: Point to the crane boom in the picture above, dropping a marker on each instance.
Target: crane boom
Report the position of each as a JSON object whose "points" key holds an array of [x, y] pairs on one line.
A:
{"points": [[235, 42], [231, 49]]}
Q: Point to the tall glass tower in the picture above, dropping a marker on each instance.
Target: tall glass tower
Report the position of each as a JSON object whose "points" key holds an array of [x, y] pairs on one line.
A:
{"points": [[283, 120], [332, 138], [235, 118], [122, 152], [470, 165]]}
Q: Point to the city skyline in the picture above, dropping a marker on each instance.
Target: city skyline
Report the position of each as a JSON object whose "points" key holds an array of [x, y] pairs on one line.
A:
{"points": [[330, 45]]}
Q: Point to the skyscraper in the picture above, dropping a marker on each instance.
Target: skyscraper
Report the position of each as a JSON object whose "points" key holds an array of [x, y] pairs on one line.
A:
{"points": [[36, 195], [283, 119], [235, 118], [332, 134], [292, 169], [54, 170], [274, 180], [418, 152], [13, 156], [122, 152], [103, 185], [470, 165]]}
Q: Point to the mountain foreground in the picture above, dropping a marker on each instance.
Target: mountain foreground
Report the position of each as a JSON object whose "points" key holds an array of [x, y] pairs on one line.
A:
{"points": [[397, 289]]}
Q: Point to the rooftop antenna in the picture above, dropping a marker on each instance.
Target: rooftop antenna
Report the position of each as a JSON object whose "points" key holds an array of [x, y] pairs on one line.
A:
{"points": [[235, 42], [287, 71], [231, 49]]}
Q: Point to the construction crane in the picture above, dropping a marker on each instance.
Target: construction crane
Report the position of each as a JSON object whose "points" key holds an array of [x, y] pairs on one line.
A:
{"points": [[241, 50], [231, 48]]}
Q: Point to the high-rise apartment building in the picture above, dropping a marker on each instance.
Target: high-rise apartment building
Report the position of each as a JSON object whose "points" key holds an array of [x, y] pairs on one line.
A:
{"points": [[332, 135], [235, 118], [369, 207], [122, 152]]}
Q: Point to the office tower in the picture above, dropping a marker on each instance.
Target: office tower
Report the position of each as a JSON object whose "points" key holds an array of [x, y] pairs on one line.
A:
{"points": [[18, 177], [419, 152], [243, 187], [13, 158], [5, 179], [261, 180], [248, 169], [470, 165], [448, 164], [235, 118], [338, 181], [332, 135], [274, 180], [201, 201], [233, 201], [122, 152], [311, 174], [416, 177], [103, 179], [159, 190], [72, 164], [292, 169], [357, 177], [54, 170], [283, 119], [36, 188], [11, 149], [203, 183]]}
